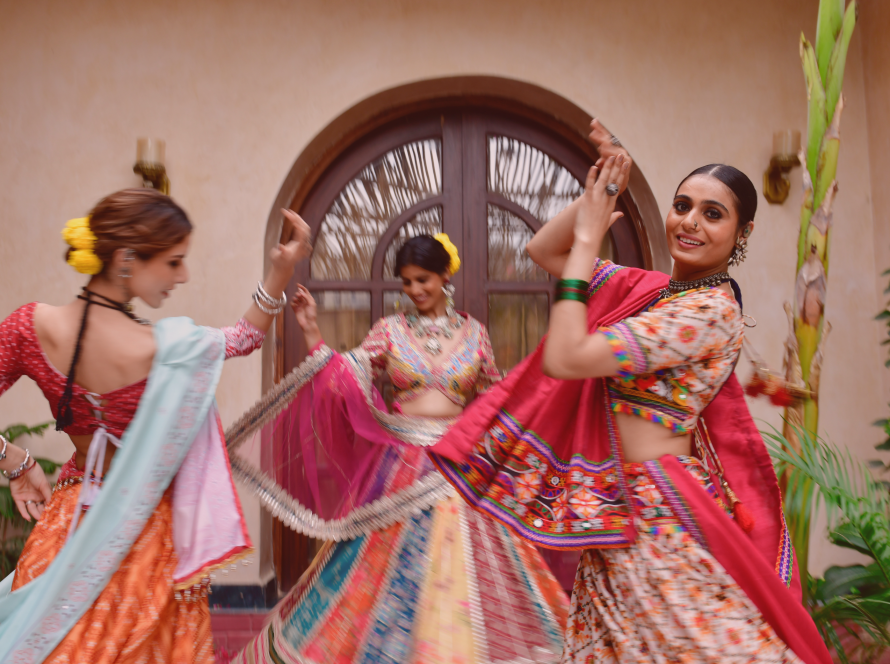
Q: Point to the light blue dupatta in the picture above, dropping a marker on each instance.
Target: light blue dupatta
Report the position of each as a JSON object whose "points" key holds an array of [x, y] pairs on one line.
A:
{"points": [[176, 402]]}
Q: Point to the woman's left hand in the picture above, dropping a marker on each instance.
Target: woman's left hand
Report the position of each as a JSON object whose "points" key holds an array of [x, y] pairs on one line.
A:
{"points": [[285, 256], [602, 139], [596, 213], [31, 493]]}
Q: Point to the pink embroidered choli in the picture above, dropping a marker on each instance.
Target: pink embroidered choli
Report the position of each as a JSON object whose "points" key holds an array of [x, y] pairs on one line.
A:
{"points": [[468, 370]]}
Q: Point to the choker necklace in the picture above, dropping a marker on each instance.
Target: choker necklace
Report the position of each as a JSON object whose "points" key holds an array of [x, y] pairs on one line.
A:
{"points": [[675, 287], [124, 307], [430, 328]]}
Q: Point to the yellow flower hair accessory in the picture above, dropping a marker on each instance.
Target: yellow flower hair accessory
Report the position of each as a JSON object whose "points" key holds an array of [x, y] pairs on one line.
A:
{"points": [[446, 242], [82, 241]]}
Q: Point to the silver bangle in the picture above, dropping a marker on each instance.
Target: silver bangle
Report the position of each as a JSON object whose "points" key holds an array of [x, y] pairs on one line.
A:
{"points": [[268, 300], [5, 444], [262, 307], [18, 472]]}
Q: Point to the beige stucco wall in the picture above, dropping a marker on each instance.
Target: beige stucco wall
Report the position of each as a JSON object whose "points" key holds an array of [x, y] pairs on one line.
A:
{"points": [[237, 89]]}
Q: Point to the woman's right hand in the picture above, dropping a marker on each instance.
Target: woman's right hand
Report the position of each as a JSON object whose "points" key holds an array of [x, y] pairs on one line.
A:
{"points": [[306, 312]]}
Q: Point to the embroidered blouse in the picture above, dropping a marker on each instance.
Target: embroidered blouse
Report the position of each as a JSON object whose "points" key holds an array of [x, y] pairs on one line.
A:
{"points": [[468, 370], [22, 355], [675, 356]]}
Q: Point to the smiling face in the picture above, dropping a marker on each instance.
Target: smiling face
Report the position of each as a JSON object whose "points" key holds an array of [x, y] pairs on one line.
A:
{"points": [[425, 289], [153, 280], [702, 227]]}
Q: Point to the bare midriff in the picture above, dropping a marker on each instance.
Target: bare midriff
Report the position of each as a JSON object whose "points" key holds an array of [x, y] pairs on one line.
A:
{"points": [[82, 445], [642, 440], [431, 404]]}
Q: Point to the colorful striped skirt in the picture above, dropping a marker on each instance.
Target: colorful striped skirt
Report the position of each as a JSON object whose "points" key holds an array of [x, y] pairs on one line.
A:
{"points": [[446, 585]]}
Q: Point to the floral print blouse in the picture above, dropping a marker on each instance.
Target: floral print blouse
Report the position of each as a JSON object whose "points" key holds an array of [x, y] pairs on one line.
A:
{"points": [[675, 356]]}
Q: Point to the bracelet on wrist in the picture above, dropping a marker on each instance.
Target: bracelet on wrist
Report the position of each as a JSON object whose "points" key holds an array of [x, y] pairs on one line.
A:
{"points": [[572, 289], [5, 445], [269, 305], [22, 469]]}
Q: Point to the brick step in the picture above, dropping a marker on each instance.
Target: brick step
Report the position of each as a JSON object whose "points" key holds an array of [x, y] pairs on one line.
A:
{"points": [[232, 630]]}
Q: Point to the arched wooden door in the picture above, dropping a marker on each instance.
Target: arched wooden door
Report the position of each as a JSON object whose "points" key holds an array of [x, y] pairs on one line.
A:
{"points": [[487, 178]]}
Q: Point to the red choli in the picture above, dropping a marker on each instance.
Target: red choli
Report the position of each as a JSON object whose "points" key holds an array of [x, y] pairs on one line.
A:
{"points": [[22, 355]]}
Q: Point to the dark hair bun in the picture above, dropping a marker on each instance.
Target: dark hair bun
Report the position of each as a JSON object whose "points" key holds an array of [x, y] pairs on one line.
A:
{"points": [[425, 252], [143, 220]]}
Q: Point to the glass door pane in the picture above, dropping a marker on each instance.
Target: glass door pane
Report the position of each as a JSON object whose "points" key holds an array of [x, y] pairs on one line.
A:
{"points": [[344, 317], [369, 203], [516, 324]]}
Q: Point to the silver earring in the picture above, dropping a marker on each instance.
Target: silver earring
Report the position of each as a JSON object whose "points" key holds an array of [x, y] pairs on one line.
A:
{"points": [[125, 268], [739, 252], [449, 289]]}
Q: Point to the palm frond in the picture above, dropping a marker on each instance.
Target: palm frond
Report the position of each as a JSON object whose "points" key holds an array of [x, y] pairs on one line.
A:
{"points": [[855, 503]]}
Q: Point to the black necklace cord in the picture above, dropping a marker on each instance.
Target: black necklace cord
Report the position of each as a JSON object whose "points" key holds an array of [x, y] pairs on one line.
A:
{"points": [[123, 307]]}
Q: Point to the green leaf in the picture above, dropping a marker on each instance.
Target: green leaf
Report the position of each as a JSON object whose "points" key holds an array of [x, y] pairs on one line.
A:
{"points": [[49, 467], [855, 579], [18, 430], [817, 120], [834, 78], [883, 446], [827, 28], [8, 510], [883, 315]]}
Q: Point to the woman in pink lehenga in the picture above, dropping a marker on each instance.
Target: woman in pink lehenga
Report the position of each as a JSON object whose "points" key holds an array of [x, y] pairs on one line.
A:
{"points": [[413, 575]]}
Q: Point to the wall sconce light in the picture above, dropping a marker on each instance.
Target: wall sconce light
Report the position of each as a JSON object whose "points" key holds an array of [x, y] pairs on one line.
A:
{"points": [[150, 164], [776, 183]]}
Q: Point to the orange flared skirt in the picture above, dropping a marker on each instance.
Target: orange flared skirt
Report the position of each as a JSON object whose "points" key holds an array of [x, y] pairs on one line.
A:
{"points": [[138, 617]]}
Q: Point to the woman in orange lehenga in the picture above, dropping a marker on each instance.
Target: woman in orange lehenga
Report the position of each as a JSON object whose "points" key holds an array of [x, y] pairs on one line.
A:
{"points": [[126, 581]]}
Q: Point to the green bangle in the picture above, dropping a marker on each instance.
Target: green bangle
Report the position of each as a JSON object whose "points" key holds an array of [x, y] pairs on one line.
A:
{"points": [[571, 295], [572, 289], [575, 284]]}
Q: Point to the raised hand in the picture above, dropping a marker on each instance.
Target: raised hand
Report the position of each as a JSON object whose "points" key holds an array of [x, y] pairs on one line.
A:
{"points": [[306, 312], [285, 256], [596, 212], [602, 138]]}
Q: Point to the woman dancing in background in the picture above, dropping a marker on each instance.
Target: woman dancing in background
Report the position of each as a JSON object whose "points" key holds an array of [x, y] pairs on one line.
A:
{"points": [[127, 580], [414, 576], [625, 435]]}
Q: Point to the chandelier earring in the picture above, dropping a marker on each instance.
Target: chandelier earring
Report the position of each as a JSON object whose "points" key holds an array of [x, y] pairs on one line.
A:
{"points": [[739, 252], [126, 268], [449, 289]]}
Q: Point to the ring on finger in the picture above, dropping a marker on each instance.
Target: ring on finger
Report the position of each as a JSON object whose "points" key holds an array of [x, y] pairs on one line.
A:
{"points": [[614, 140], [612, 189]]}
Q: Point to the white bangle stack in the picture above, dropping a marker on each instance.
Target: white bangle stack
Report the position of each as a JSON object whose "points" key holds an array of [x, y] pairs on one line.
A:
{"points": [[266, 303]]}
